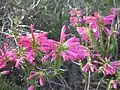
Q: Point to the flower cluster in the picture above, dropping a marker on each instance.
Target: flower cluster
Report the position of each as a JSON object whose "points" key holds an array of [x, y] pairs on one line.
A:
{"points": [[95, 30], [49, 49], [37, 49], [94, 23]]}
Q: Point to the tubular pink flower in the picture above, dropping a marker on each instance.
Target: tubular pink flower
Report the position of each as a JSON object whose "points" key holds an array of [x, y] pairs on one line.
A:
{"points": [[48, 45], [107, 31], [18, 62], [32, 31], [72, 12], [96, 33], [83, 33], [72, 50], [111, 68], [79, 12], [115, 64], [89, 66], [75, 21], [92, 67], [6, 46], [108, 19], [52, 55], [88, 19], [32, 74], [96, 14], [85, 68], [25, 42], [41, 43], [31, 88], [45, 57], [115, 84], [71, 41], [41, 80], [93, 22], [2, 64], [30, 56], [6, 56], [11, 55], [63, 35], [5, 72]]}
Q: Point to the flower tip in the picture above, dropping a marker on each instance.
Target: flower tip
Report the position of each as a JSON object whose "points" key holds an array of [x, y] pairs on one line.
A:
{"points": [[41, 80], [5, 72], [31, 87]]}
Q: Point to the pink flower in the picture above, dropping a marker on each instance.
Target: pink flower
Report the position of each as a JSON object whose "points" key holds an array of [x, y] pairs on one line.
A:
{"points": [[83, 33], [11, 55], [107, 31], [90, 66], [18, 61], [30, 56], [108, 19], [72, 50], [63, 35], [41, 80], [79, 12], [110, 67], [50, 55], [5, 72], [34, 42], [88, 19], [38, 41], [92, 20], [85, 68], [108, 70], [48, 45], [115, 84], [25, 42], [74, 21], [32, 74], [6, 55], [72, 12], [40, 37], [31, 88], [96, 14], [45, 57], [93, 24], [32, 31], [96, 33], [2, 64], [113, 11]]}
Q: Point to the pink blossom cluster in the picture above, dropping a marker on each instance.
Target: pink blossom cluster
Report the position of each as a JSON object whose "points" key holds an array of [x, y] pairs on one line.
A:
{"points": [[34, 45], [93, 26], [68, 50], [94, 23]]}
